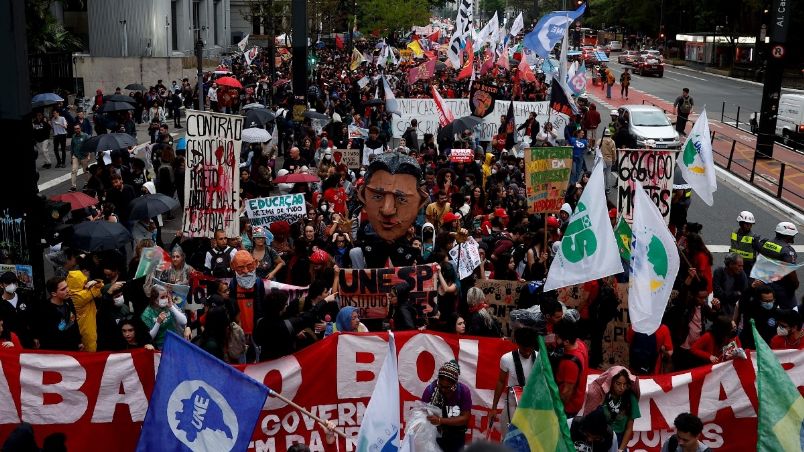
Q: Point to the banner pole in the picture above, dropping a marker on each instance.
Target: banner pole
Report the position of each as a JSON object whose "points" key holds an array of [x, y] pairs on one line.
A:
{"points": [[279, 396]]}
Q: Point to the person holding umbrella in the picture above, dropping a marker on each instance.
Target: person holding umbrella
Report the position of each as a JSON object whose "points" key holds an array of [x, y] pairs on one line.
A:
{"points": [[41, 135], [79, 156]]}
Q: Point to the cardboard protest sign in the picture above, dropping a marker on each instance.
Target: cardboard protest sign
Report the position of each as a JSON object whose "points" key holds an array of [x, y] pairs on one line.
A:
{"points": [[548, 171], [501, 296], [466, 257], [368, 289], [482, 98], [349, 157], [212, 181], [461, 156], [264, 211], [654, 170]]}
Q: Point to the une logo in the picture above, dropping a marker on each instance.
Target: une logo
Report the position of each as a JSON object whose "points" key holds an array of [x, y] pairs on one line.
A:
{"points": [[201, 418]]}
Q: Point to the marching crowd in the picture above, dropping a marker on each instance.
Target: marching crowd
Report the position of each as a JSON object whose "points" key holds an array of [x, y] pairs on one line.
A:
{"points": [[406, 204]]}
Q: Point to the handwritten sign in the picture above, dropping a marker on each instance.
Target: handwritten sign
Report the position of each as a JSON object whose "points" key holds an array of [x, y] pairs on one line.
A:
{"points": [[461, 156], [652, 169], [501, 296], [548, 171], [264, 211], [368, 289], [349, 157], [466, 256], [212, 182]]}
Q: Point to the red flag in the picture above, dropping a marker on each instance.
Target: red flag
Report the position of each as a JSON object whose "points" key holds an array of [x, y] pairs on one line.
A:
{"points": [[434, 37], [469, 64], [445, 115], [421, 72], [488, 62], [339, 41], [525, 72], [502, 61]]}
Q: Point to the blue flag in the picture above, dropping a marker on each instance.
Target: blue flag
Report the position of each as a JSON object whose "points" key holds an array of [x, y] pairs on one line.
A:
{"points": [[199, 403], [550, 29]]}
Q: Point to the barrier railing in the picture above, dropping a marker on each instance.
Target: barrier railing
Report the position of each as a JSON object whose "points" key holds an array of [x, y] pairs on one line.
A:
{"points": [[739, 118]]}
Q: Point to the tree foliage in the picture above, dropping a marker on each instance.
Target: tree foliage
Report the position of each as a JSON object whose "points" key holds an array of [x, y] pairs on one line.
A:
{"points": [[44, 32], [388, 16]]}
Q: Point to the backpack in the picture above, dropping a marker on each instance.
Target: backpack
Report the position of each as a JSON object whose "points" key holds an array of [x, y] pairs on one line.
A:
{"points": [[235, 342], [685, 104], [555, 361], [642, 353], [520, 373], [220, 262]]}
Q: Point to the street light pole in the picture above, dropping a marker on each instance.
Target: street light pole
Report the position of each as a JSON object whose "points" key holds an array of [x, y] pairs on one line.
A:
{"points": [[167, 37], [124, 43], [199, 56]]}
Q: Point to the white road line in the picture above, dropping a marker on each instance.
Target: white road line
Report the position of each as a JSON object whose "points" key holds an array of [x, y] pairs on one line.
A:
{"points": [[687, 75], [53, 182], [671, 78], [725, 248]]}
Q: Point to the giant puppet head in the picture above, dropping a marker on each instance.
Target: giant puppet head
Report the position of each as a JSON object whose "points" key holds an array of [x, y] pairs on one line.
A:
{"points": [[245, 269], [391, 194]]}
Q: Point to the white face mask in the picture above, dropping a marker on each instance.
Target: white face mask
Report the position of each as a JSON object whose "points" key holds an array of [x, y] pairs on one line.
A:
{"points": [[163, 302], [324, 207], [11, 288], [782, 331], [119, 301], [362, 173]]}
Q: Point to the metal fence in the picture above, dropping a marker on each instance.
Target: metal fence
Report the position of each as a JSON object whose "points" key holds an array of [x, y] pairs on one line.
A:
{"points": [[748, 121]]}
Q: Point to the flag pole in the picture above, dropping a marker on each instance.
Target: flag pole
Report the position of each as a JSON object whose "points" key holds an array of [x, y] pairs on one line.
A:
{"points": [[279, 396]]}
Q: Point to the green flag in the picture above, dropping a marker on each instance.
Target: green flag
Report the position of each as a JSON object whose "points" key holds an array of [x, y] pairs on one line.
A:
{"points": [[623, 234], [539, 422], [781, 407]]}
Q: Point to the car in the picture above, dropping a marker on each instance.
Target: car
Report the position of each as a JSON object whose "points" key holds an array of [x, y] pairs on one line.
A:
{"points": [[616, 46], [652, 53], [647, 65], [587, 52], [789, 120], [627, 57], [647, 122]]}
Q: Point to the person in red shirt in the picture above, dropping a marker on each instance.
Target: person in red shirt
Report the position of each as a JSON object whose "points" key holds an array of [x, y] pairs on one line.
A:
{"points": [[717, 344], [788, 331], [8, 339], [572, 367], [664, 346]]}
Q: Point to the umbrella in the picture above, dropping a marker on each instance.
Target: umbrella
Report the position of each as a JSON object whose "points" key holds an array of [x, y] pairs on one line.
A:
{"points": [[373, 102], [41, 100], [76, 199], [312, 114], [296, 178], [119, 98], [255, 135], [110, 107], [253, 105], [259, 115], [135, 87], [458, 126], [108, 141], [94, 236], [149, 206], [229, 81]]}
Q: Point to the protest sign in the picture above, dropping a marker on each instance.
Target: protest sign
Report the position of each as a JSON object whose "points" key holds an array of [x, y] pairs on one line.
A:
{"points": [[482, 97], [349, 157], [178, 292], [425, 112], [548, 171], [501, 296], [24, 274], [654, 170], [152, 259], [466, 257], [212, 182], [264, 211], [368, 289], [461, 156]]}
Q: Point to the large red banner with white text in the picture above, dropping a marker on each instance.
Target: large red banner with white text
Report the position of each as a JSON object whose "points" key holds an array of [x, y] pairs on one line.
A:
{"points": [[101, 398]]}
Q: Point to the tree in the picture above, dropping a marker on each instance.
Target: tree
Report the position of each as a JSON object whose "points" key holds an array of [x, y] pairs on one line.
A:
{"points": [[388, 16], [489, 7], [44, 32]]}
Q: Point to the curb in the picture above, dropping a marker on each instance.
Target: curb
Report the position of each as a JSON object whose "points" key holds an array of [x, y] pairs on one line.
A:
{"points": [[750, 82]]}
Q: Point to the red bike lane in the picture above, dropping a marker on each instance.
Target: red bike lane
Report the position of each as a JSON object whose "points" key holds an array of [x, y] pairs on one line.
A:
{"points": [[728, 142]]}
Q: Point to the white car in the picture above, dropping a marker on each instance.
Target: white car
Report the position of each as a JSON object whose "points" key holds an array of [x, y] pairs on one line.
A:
{"points": [[616, 46], [650, 123]]}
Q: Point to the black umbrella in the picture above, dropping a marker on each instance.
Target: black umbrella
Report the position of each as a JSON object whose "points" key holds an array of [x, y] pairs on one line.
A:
{"points": [[458, 126], [149, 206], [312, 114], [108, 141], [135, 87], [94, 236], [373, 102], [259, 116], [110, 107], [119, 98]]}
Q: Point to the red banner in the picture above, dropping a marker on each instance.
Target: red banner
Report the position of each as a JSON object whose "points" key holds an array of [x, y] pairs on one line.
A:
{"points": [[101, 398], [368, 289]]}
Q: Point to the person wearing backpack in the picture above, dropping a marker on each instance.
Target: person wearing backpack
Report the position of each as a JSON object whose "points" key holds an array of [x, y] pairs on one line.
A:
{"points": [[682, 108], [515, 368], [218, 259], [570, 366], [688, 430]]}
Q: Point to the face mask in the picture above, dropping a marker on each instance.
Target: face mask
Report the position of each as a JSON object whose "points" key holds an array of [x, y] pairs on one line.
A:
{"points": [[247, 280], [11, 288], [163, 302], [118, 301], [494, 171], [768, 305], [781, 331], [324, 207], [362, 173], [477, 161]]}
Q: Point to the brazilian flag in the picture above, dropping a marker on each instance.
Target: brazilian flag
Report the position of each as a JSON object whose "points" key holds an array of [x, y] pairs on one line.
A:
{"points": [[539, 422], [781, 407]]}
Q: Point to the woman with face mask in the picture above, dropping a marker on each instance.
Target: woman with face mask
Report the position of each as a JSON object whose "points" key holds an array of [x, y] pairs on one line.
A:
{"points": [[162, 315], [112, 309]]}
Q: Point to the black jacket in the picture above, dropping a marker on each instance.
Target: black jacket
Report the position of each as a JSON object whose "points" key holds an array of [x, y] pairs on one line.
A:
{"points": [[56, 327]]}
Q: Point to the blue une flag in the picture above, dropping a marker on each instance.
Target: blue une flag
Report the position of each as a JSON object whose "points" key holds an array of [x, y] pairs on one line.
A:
{"points": [[199, 403]]}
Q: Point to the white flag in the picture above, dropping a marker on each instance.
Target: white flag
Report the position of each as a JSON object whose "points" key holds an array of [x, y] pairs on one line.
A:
{"points": [[463, 30], [380, 428], [588, 250], [696, 162], [518, 25], [770, 270], [654, 265], [391, 104], [243, 43]]}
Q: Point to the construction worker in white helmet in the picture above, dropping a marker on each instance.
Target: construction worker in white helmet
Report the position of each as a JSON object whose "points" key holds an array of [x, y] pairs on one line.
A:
{"points": [[780, 248], [745, 243]]}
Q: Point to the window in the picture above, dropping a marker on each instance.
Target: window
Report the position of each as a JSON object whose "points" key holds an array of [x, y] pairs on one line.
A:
{"points": [[174, 28], [216, 10], [197, 19]]}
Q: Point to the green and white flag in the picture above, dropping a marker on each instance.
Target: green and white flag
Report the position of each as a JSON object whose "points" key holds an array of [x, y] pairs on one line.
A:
{"points": [[588, 249], [623, 234], [654, 265], [696, 162]]}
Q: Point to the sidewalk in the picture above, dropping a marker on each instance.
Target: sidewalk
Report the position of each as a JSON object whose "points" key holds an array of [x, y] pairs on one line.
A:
{"points": [[729, 140]]}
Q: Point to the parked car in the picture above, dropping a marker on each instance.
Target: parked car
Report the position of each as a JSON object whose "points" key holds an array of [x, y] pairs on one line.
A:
{"points": [[627, 57], [650, 123], [616, 46], [789, 120], [647, 65]]}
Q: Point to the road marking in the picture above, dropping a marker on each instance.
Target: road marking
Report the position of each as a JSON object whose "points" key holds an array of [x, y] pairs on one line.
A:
{"points": [[725, 248], [53, 182], [687, 75], [671, 78]]}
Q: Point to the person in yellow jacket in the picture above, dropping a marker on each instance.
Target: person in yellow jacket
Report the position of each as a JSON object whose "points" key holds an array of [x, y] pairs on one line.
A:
{"points": [[487, 166], [84, 292]]}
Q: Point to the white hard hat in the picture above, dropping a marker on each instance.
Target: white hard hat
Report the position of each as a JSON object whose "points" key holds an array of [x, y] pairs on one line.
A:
{"points": [[786, 228], [615, 113], [746, 217]]}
